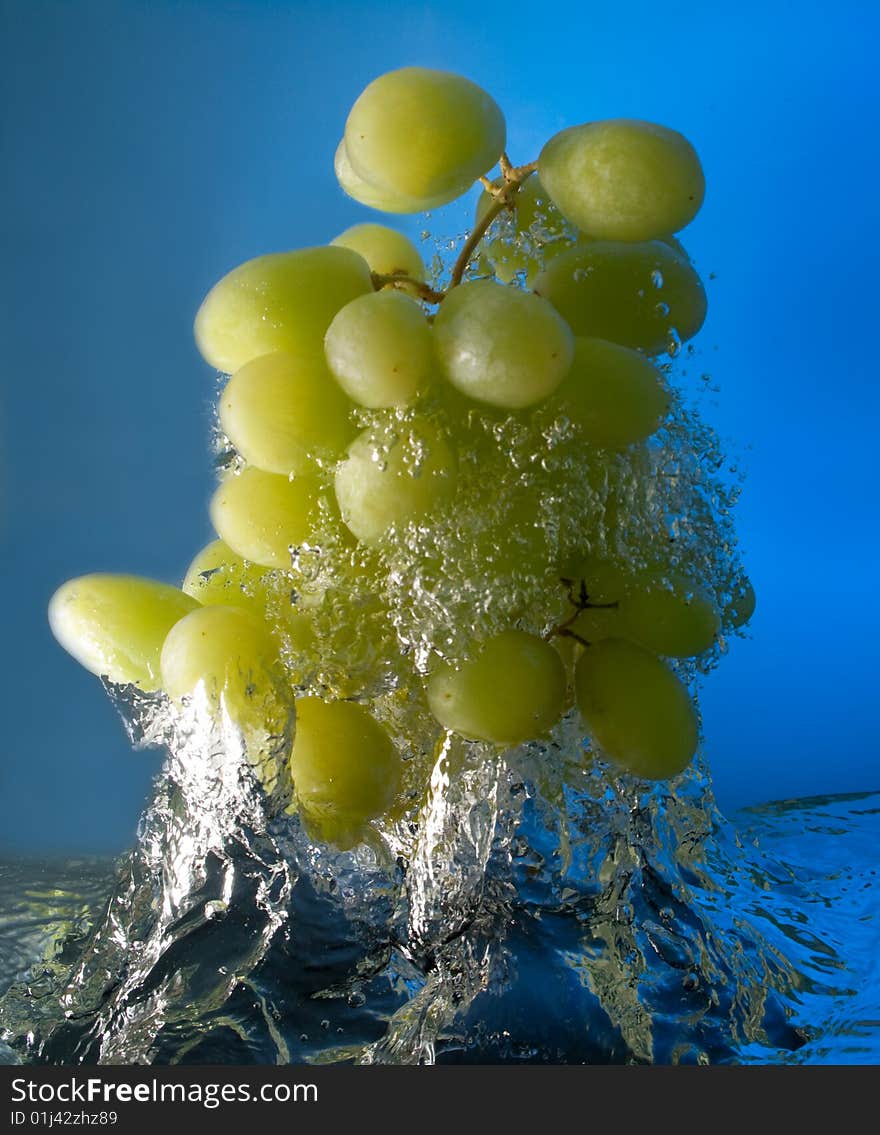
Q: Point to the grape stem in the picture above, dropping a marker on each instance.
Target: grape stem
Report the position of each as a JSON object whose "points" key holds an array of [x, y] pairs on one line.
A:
{"points": [[581, 603], [512, 178], [504, 192], [423, 290]]}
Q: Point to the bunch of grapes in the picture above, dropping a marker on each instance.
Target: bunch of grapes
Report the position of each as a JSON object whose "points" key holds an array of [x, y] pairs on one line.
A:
{"points": [[466, 505]]}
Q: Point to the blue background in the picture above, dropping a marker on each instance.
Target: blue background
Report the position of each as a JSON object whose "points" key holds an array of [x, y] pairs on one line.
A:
{"points": [[148, 147]]}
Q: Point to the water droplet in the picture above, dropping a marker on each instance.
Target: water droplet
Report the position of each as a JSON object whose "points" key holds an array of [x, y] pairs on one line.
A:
{"points": [[657, 278]]}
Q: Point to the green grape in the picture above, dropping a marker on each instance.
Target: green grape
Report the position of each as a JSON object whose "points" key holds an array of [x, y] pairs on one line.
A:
{"points": [[543, 228], [393, 474], [378, 348], [615, 395], [345, 768], [218, 575], [623, 179], [500, 345], [283, 411], [423, 133], [511, 691], [642, 296], [261, 516], [636, 709], [679, 621], [227, 656], [742, 605], [114, 625], [387, 201], [280, 302], [387, 251]]}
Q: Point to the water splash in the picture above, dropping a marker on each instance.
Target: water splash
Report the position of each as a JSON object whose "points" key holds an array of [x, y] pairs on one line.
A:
{"points": [[531, 916]]}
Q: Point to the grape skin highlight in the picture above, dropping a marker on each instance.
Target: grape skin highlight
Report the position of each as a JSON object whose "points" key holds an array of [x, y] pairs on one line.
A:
{"points": [[501, 346], [345, 768], [636, 709], [387, 251], [284, 411], [392, 475], [378, 349], [385, 200], [636, 295], [280, 302], [423, 133], [623, 179], [218, 576], [615, 395], [114, 625], [262, 515], [512, 690]]}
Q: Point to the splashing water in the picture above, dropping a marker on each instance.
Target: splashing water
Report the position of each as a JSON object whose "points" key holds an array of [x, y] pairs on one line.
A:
{"points": [[533, 907], [614, 923]]}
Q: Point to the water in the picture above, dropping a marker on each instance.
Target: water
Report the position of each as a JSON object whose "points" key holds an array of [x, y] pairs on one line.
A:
{"points": [[614, 923]]}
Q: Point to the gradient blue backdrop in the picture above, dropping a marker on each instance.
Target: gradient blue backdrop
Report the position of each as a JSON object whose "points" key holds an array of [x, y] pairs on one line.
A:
{"points": [[148, 147]]}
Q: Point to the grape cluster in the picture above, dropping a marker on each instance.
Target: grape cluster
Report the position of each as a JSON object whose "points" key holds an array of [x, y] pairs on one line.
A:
{"points": [[459, 508]]}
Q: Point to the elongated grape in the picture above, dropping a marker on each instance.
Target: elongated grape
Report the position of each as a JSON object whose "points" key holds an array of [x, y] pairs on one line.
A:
{"points": [[283, 411], [500, 345], [636, 709], [280, 302], [642, 296], [512, 690], [114, 625], [385, 200], [217, 575], [615, 395], [394, 474], [623, 179], [423, 133], [227, 657], [345, 768], [388, 252], [678, 620], [378, 348], [261, 516]]}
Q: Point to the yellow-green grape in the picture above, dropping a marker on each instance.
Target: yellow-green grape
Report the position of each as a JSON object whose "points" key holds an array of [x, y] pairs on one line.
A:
{"points": [[500, 345], [114, 625], [227, 656], [636, 709], [741, 607], [378, 348], [542, 225], [280, 302], [512, 690], [394, 474], [384, 200], [614, 394], [218, 575], [643, 296], [261, 516], [423, 133], [678, 620], [388, 252], [283, 411], [345, 768], [623, 179]]}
